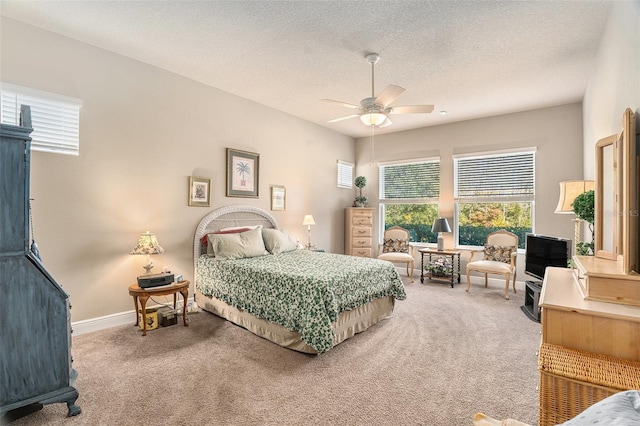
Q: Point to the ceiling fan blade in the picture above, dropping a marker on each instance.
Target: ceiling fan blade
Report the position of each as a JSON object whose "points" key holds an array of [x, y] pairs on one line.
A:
{"points": [[343, 118], [344, 104], [389, 94], [386, 123], [412, 109]]}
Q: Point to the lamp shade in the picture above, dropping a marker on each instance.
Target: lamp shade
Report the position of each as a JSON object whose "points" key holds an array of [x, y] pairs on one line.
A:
{"points": [[308, 220], [441, 225], [373, 118], [569, 190], [147, 244]]}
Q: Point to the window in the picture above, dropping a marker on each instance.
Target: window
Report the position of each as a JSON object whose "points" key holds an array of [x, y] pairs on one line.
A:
{"points": [[409, 193], [494, 191], [55, 119], [345, 174]]}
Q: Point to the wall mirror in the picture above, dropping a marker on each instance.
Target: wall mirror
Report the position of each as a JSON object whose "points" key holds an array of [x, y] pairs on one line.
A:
{"points": [[616, 196], [606, 206]]}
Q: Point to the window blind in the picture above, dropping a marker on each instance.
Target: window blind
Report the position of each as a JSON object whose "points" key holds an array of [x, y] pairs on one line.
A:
{"points": [[410, 181], [495, 177], [55, 119], [345, 174]]}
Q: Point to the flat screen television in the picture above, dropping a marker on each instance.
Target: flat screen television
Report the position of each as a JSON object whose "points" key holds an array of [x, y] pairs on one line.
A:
{"points": [[542, 251]]}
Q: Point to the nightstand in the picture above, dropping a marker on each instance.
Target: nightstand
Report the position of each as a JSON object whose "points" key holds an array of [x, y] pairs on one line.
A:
{"points": [[143, 294], [455, 263]]}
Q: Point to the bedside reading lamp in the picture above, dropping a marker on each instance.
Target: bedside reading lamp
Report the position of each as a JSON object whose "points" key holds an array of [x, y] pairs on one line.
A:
{"points": [[308, 220], [147, 244], [441, 225]]}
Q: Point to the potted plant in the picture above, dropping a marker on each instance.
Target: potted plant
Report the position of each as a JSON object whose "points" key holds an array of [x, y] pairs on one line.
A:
{"points": [[584, 209], [361, 200], [440, 267]]}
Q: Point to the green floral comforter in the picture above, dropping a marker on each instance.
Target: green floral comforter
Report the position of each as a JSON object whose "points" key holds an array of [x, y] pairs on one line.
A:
{"points": [[301, 290]]}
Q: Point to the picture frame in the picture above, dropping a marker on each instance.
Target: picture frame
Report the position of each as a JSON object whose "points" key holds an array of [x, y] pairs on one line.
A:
{"points": [[243, 172], [199, 191], [278, 197]]}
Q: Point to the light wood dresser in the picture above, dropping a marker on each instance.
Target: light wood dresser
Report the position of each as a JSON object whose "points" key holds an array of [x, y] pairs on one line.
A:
{"points": [[590, 349], [358, 233]]}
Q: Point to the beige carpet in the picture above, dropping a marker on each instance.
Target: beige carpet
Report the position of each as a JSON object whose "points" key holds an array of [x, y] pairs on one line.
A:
{"points": [[443, 356]]}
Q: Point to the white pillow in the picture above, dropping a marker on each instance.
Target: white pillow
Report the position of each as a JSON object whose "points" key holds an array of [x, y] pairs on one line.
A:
{"points": [[278, 241], [237, 246]]}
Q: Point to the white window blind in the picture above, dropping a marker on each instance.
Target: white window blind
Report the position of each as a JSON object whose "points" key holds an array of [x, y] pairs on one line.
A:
{"points": [[495, 177], [410, 181], [345, 174], [55, 118]]}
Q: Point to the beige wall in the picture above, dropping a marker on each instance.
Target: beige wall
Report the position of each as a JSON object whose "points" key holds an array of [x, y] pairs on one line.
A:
{"points": [[555, 132], [614, 84], [143, 132]]}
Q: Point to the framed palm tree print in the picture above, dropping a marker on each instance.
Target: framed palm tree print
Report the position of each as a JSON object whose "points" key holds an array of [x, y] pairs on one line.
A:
{"points": [[243, 169]]}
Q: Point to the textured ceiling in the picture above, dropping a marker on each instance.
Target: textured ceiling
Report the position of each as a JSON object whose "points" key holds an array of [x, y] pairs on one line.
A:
{"points": [[470, 58]]}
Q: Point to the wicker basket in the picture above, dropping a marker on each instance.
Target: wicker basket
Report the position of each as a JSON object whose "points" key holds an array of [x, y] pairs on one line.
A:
{"points": [[572, 380]]}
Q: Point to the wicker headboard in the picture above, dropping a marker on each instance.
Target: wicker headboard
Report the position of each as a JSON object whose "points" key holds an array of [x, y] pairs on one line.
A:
{"points": [[224, 217]]}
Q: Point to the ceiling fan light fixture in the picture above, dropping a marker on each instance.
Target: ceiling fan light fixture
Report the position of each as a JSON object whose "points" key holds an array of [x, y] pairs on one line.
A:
{"points": [[373, 118]]}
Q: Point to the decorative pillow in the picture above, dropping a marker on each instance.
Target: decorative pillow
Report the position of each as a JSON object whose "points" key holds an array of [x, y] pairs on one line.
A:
{"points": [[205, 239], [395, 245], [236, 246], [278, 241], [498, 253]]}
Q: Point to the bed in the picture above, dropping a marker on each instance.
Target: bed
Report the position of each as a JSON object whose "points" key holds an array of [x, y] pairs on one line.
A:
{"points": [[299, 299]]}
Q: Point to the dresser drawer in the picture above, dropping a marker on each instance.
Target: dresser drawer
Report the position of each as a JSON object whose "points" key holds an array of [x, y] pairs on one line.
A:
{"points": [[362, 242], [362, 220], [362, 231], [362, 252]]}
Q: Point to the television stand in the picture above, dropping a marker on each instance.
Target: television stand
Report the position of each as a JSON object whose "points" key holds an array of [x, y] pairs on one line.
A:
{"points": [[531, 299]]}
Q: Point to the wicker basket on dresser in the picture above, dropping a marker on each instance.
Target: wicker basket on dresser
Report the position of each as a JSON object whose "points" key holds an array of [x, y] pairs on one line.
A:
{"points": [[358, 232]]}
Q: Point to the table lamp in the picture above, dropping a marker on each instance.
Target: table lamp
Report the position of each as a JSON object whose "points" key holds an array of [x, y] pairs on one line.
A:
{"points": [[441, 225], [308, 220], [147, 244], [569, 190]]}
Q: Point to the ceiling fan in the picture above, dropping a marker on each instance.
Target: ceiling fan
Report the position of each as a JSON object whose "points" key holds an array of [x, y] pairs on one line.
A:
{"points": [[374, 111]]}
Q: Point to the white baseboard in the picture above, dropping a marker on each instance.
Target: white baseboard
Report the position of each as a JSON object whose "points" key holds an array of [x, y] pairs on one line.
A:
{"points": [[113, 320]]}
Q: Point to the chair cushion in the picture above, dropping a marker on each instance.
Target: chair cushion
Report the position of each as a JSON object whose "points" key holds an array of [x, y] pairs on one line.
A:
{"points": [[396, 257], [395, 245], [498, 253], [489, 266]]}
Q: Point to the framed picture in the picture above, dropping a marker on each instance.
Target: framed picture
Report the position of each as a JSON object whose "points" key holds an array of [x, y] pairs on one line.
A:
{"points": [[243, 169], [199, 191], [278, 197]]}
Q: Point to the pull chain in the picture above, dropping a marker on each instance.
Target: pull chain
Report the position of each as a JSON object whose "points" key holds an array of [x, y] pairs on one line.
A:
{"points": [[371, 146]]}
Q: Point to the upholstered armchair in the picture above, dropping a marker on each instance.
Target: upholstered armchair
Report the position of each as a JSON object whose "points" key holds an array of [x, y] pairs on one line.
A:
{"points": [[396, 248], [499, 257]]}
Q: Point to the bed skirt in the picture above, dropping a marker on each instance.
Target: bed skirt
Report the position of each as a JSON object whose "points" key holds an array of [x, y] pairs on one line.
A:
{"points": [[349, 323]]}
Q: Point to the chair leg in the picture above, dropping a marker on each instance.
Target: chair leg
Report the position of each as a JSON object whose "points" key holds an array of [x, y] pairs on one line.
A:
{"points": [[410, 270], [468, 280], [506, 288], [486, 282], [514, 282]]}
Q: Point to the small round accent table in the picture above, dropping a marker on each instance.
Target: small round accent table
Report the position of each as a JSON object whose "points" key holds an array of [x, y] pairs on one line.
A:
{"points": [[143, 295]]}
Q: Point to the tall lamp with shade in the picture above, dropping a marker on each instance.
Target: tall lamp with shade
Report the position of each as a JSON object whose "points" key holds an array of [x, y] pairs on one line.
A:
{"points": [[441, 225], [308, 220], [569, 190]]}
